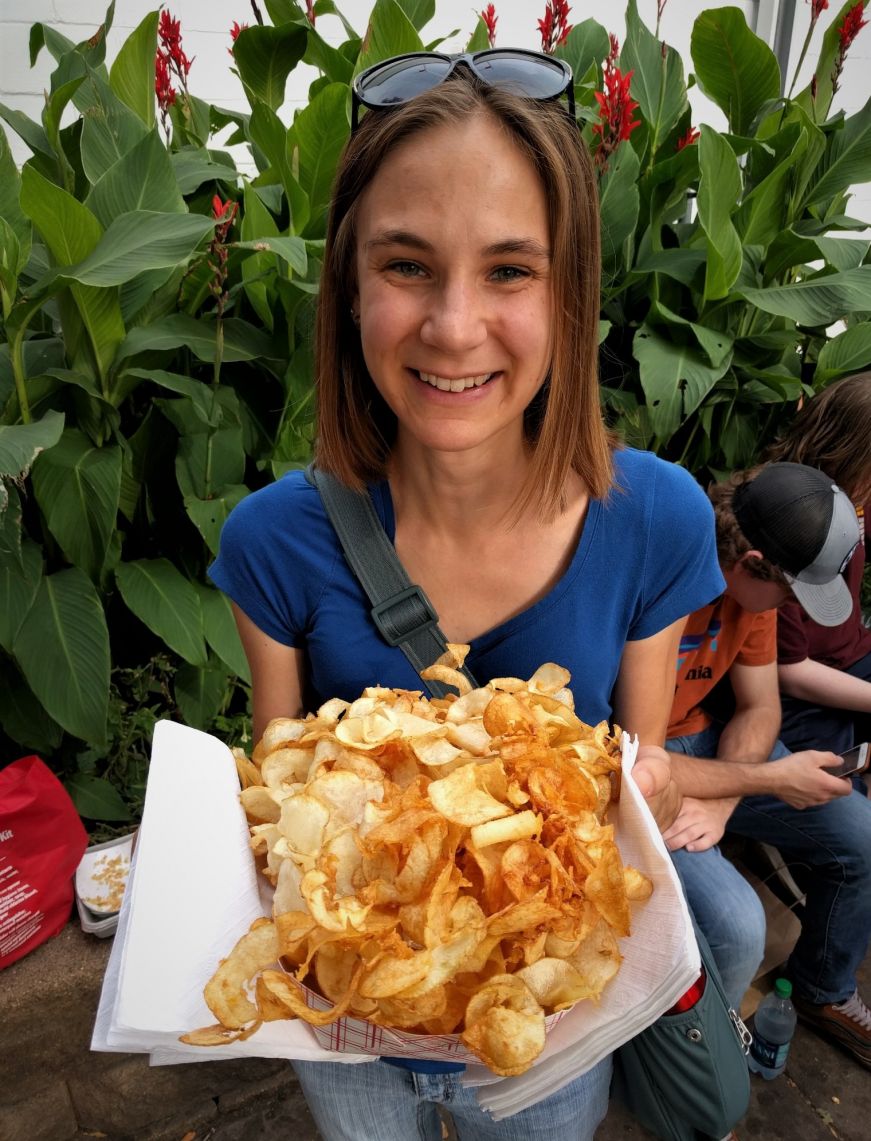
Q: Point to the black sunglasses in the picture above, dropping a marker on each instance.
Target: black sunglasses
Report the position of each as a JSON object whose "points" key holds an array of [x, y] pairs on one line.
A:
{"points": [[395, 81]]}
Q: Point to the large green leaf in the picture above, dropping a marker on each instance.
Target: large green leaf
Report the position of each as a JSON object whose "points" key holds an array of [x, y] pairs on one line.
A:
{"points": [[847, 160], [419, 12], [31, 133], [139, 241], [22, 717], [71, 232], [390, 32], [200, 693], [210, 515], [586, 43], [19, 582], [258, 223], [77, 487], [10, 191], [242, 342], [719, 188], [290, 250], [265, 57], [142, 180], [657, 80], [161, 597], [96, 798], [132, 73], [202, 396], [319, 132], [62, 649], [109, 128], [846, 353], [193, 166], [618, 201], [269, 135], [734, 67], [221, 633], [20, 444], [763, 213], [819, 301], [675, 378]]}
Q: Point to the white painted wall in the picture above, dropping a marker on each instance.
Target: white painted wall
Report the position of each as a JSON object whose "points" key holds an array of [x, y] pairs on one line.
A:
{"points": [[206, 24]]}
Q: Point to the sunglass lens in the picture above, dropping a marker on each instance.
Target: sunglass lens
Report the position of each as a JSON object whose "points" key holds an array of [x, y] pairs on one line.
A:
{"points": [[400, 81], [534, 78]]}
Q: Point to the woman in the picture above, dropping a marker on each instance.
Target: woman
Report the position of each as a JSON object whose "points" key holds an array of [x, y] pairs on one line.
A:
{"points": [[456, 373], [825, 672]]}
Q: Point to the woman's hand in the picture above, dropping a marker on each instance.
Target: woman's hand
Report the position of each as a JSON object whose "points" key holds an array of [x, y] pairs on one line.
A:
{"points": [[652, 774]]}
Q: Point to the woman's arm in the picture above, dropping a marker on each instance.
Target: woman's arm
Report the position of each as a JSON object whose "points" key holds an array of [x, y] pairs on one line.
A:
{"points": [[276, 674], [642, 702], [812, 681]]}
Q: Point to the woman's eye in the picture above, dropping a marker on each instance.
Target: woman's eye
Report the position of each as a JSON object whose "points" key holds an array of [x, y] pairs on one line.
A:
{"points": [[508, 273], [405, 268]]}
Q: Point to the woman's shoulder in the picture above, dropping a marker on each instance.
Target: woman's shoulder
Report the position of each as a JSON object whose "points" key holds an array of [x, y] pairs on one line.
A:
{"points": [[286, 516], [645, 482]]}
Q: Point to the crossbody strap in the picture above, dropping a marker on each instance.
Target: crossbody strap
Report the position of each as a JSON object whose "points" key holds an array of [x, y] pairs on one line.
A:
{"points": [[403, 614]]}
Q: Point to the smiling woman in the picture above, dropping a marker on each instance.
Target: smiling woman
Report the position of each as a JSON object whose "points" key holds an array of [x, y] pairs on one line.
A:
{"points": [[456, 374]]}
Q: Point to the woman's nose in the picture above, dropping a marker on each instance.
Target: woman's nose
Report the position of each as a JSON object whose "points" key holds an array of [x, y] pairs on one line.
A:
{"points": [[455, 318]]}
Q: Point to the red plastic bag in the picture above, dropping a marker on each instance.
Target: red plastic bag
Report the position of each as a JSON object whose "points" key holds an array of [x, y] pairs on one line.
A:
{"points": [[42, 841]]}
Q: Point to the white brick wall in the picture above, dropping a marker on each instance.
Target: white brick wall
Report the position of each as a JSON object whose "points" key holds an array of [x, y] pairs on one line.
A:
{"points": [[206, 24]]}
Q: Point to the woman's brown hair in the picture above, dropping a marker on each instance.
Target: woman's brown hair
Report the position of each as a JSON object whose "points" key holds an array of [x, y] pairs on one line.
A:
{"points": [[356, 429], [832, 432]]}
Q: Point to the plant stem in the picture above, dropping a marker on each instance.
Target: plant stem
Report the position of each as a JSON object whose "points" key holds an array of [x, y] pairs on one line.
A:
{"points": [[804, 47]]}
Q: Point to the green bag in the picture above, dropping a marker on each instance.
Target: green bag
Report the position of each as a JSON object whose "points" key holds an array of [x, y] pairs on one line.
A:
{"points": [[685, 1078]]}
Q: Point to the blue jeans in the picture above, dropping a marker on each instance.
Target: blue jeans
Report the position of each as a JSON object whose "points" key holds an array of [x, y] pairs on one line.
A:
{"points": [[833, 841], [375, 1100]]}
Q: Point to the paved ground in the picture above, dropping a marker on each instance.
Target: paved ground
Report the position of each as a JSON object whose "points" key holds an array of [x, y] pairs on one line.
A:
{"points": [[824, 1094]]}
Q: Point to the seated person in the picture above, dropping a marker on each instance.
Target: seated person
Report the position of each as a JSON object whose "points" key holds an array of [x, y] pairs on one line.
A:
{"points": [[825, 671], [810, 815]]}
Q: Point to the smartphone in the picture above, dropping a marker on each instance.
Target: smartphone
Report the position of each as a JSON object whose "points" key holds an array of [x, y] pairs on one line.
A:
{"points": [[853, 761]]}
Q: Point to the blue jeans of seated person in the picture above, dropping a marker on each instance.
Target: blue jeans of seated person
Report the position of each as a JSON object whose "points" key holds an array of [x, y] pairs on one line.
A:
{"points": [[833, 841], [374, 1101]]}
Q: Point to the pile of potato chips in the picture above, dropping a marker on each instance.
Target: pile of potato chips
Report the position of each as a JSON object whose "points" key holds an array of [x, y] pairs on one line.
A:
{"points": [[441, 866]]}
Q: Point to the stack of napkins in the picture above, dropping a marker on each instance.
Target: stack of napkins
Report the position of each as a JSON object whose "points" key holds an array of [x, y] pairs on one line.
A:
{"points": [[193, 891]]}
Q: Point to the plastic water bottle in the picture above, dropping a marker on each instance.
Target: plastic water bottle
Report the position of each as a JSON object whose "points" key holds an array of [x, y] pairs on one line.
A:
{"points": [[773, 1028]]}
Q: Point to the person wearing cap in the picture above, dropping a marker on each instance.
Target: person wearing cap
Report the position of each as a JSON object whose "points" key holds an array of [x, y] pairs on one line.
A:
{"points": [[825, 671], [783, 531]]}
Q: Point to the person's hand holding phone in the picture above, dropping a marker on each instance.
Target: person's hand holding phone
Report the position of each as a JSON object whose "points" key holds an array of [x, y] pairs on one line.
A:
{"points": [[807, 778], [852, 762]]}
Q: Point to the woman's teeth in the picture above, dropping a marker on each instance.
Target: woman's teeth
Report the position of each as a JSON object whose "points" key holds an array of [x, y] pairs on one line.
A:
{"points": [[458, 385]]}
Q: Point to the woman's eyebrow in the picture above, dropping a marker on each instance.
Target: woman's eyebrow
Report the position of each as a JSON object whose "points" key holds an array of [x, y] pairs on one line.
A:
{"points": [[526, 246]]}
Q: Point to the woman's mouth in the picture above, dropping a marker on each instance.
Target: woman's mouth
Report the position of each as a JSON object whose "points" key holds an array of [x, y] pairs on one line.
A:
{"points": [[454, 384]]}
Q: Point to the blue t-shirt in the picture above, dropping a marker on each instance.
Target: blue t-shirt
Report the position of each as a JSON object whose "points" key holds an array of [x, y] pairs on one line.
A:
{"points": [[646, 556]]}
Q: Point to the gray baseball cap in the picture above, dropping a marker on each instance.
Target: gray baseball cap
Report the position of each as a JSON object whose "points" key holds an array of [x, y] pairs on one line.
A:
{"points": [[804, 524]]}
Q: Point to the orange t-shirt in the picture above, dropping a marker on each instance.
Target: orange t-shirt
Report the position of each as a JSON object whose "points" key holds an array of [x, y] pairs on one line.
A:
{"points": [[714, 639]]}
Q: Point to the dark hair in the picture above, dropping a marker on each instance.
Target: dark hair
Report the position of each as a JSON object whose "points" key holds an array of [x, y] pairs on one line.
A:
{"points": [[732, 543], [832, 432], [356, 429]]}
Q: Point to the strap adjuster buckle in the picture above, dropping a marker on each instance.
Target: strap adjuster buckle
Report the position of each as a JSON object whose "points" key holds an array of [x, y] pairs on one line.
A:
{"points": [[404, 614]]}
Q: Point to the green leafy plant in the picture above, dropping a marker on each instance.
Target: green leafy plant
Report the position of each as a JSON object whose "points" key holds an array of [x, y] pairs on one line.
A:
{"points": [[157, 307]]}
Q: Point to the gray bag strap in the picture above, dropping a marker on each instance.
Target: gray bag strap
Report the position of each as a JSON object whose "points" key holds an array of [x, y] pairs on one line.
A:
{"points": [[403, 614]]}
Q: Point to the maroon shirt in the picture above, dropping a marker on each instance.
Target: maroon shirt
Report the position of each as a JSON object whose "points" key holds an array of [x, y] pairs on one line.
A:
{"points": [[799, 637]]}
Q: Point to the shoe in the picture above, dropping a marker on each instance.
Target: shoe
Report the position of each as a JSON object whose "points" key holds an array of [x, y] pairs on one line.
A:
{"points": [[848, 1023]]}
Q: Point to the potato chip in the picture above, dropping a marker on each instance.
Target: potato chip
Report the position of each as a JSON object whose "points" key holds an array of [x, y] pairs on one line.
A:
{"points": [[440, 866]]}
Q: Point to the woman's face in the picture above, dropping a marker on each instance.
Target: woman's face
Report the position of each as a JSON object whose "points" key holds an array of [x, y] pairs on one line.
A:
{"points": [[454, 289]]}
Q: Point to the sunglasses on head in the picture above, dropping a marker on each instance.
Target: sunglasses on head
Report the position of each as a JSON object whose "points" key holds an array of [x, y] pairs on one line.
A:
{"points": [[394, 81]]}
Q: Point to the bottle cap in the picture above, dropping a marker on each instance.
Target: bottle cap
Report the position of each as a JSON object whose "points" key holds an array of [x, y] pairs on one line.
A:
{"points": [[783, 988]]}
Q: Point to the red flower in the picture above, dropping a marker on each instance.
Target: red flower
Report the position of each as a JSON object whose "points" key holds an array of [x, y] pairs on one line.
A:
{"points": [[488, 15], [169, 46], [851, 26], [555, 26], [163, 88], [235, 32], [687, 140], [817, 9], [616, 107]]}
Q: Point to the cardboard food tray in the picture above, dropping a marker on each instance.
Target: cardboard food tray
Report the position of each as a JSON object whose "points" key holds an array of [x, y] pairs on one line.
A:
{"points": [[193, 891]]}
